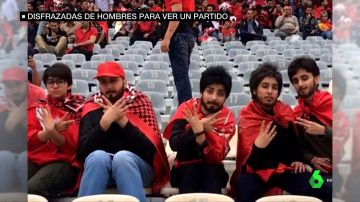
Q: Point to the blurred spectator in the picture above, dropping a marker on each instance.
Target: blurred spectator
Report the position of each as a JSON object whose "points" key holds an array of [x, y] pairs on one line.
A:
{"points": [[209, 28], [9, 11], [228, 32], [300, 10], [13, 126], [154, 6], [250, 29], [104, 5], [41, 6], [287, 24], [325, 26], [277, 11], [102, 33], [323, 7], [236, 10], [308, 24], [69, 27], [92, 5], [30, 7], [144, 31], [135, 6], [85, 40], [53, 40], [263, 18], [123, 28], [84, 6], [6, 36]]}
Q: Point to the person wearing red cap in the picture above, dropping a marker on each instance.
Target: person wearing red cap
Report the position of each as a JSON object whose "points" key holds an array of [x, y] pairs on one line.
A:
{"points": [[53, 125], [179, 40], [13, 129], [120, 143]]}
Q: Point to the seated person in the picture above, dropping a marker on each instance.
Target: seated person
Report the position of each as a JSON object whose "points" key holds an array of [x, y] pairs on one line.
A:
{"points": [[228, 32], [85, 40], [249, 29], [199, 132], [53, 136], [144, 31], [69, 27], [268, 152], [102, 33], [52, 40], [205, 26], [325, 26], [123, 28], [308, 24], [287, 24]]}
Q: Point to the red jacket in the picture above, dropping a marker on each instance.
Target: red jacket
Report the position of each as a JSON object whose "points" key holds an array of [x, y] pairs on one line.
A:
{"points": [[250, 120], [218, 139], [43, 153]]}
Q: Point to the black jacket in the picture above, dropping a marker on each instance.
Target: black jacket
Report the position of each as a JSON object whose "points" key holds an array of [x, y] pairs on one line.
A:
{"points": [[130, 138], [243, 28]]}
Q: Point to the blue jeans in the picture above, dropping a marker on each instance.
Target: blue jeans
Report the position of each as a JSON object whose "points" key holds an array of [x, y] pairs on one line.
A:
{"points": [[8, 171], [127, 170], [327, 35], [181, 46]]}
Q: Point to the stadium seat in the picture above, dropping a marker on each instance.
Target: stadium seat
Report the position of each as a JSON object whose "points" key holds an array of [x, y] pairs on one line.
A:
{"points": [[226, 64], [250, 44], [156, 65], [85, 74], [199, 197], [152, 86], [114, 52], [237, 86], [263, 52], [327, 58], [205, 43], [232, 43], [325, 76], [46, 58], [123, 43], [307, 47], [233, 52], [157, 100], [237, 99], [243, 66], [196, 57], [130, 77], [138, 51], [130, 65], [146, 44], [247, 75], [194, 74], [317, 52], [103, 57], [139, 59], [195, 85], [39, 64], [214, 51], [236, 111], [90, 65], [290, 52], [195, 65], [160, 57], [80, 87], [118, 47], [244, 58], [270, 58], [68, 63], [97, 48], [289, 99], [216, 58], [272, 39], [288, 198], [259, 47], [78, 58], [123, 38], [151, 74], [106, 197], [282, 48], [281, 64], [285, 77], [228, 48], [302, 55], [211, 46]]}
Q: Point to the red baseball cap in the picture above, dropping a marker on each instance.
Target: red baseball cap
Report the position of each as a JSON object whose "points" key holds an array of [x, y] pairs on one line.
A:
{"points": [[110, 69], [14, 74]]}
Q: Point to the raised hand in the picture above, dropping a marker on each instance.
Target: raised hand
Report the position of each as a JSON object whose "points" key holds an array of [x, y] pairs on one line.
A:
{"points": [[266, 135], [300, 167], [191, 116], [311, 127], [62, 125], [209, 121], [321, 163]]}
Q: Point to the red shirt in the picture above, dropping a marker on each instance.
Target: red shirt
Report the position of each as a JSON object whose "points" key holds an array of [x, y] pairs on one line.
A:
{"points": [[82, 36], [155, 8], [187, 5], [35, 94], [227, 32]]}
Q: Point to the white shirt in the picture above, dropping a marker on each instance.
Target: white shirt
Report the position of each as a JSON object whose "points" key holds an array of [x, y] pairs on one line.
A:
{"points": [[104, 5], [9, 10]]}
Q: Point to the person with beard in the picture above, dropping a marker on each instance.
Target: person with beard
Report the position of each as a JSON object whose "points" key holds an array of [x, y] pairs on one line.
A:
{"points": [[268, 154], [85, 37], [120, 143], [287, 24], [53, 125], [199, 132], [250, 29], [313, 115], [13, 129]]}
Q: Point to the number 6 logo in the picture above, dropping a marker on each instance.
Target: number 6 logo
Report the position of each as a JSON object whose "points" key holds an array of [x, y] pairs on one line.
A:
{"points": [[316, 181]]}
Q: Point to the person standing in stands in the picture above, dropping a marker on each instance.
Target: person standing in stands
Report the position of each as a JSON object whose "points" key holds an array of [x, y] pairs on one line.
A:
{"points": [[313, 115], [199, 132], [53, 125], [268, 154], [179, 41], [85, 37], [120, 143]]}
